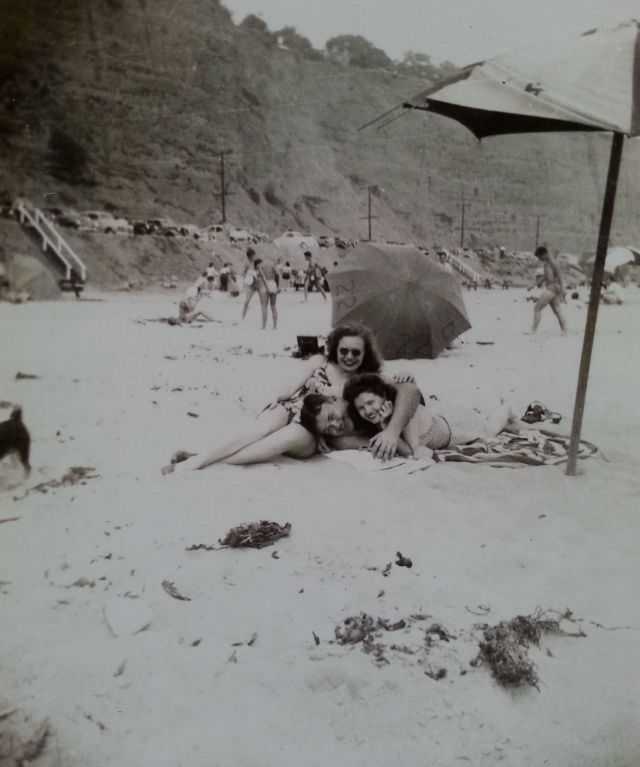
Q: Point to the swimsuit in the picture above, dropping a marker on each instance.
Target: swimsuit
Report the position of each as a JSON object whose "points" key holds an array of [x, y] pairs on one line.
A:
{"points": [[318, 383], [438, 435]]}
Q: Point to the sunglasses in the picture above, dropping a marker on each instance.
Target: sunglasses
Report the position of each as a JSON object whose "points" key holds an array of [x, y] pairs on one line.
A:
{"points": [[345, 351]]}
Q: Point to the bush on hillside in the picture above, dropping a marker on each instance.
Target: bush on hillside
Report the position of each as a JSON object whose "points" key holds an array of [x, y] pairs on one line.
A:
{"points": [[356, 51]]}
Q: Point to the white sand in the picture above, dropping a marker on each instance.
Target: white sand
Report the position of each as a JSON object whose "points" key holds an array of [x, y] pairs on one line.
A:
{"points": [[476, 536]]}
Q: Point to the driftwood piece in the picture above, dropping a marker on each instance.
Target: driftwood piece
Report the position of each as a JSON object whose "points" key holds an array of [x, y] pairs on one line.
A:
{"points": [[172, 591]]}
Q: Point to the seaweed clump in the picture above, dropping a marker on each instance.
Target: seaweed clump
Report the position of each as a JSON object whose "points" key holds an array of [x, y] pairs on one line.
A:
{"points": [[505, 647]]}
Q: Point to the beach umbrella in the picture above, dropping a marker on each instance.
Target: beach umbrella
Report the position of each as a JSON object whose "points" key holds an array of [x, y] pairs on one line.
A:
{"points": [[589, 83], [413, 305]]}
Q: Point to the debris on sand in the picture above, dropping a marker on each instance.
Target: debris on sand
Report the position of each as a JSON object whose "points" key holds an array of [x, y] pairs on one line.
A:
{"points": [[436, 673], [403, 561], [74, 476], [25, 376], [255, 535], [172, 591], [505, 646]]}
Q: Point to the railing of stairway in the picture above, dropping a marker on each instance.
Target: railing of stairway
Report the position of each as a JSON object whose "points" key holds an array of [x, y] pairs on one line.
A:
{"points": [[465, 270], [51, 238]]}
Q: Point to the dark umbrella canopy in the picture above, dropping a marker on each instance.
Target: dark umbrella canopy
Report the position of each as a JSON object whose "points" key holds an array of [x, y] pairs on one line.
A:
{"points": [[413, 306]]}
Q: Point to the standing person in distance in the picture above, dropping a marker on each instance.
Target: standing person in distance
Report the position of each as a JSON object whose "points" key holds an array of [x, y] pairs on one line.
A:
{"points": [[312, 276], [553, 294]]}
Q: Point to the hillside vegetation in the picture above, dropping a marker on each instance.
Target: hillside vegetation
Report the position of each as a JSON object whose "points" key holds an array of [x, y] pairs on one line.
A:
{"points": [[125, 106]]}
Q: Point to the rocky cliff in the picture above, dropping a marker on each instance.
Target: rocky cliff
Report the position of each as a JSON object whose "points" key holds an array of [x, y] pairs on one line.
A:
{"points": [[125, 105]]}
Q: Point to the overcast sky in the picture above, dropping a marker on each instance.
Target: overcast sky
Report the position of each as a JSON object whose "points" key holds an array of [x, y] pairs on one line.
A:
{"points": [[462, 31]]}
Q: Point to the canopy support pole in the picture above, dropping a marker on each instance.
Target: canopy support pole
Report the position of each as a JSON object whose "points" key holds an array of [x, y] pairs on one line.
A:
{"points": [[594, 299]]}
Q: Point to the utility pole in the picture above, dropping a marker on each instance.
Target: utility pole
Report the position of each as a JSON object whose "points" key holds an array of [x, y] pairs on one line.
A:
{"points": [[223, 189], [462, 220], [371, 188], [537, 231]]}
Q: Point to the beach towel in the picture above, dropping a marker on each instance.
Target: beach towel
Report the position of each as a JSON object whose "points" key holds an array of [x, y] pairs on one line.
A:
{"points": [[536, 447], [362, 460]]}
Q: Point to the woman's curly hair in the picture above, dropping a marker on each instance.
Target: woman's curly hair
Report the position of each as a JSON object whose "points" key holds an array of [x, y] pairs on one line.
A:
{"points": [[366, 382], [311, 406], [371, 360]]}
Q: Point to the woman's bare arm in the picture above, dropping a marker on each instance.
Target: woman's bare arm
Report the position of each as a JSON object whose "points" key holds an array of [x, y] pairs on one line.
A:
{"points": [[304, 370], [385, 444]]}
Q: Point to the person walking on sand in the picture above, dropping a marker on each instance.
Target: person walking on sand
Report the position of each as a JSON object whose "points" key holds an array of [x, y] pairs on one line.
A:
{"points": [[313, 277], [250, 278], [268, 289], [553, 294]]}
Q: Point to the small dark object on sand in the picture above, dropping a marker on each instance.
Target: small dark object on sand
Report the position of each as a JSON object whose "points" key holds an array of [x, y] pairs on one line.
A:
{"points": [[25, 376], [15, 438], [255, 535], [403, 561]]}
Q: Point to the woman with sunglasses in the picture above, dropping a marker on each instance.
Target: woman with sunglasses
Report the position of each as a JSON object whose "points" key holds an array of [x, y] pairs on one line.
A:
{"points": [[277, 430]]}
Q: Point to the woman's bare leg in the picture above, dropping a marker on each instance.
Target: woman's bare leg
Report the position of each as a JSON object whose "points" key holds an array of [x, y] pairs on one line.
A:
{"points": [[557, 310], [248, 297], [264, 301], [253, 431], [544, 300], [293, 440], [273, 297], [468, 425]]}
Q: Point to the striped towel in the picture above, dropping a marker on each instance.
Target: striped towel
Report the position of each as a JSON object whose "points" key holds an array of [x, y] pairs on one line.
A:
{"points": [[537, 447]]}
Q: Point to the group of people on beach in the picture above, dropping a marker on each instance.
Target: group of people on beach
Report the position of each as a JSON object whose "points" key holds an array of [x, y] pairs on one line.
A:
{"points": [[340, 400], [259, 277]]}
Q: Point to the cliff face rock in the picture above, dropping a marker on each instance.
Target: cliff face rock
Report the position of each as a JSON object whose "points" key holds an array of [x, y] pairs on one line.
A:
{"points": [[125, 105]]}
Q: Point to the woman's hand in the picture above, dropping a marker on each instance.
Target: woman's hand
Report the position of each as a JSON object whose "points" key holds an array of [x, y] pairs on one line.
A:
{"points": [[322, 445], [404, 377], [384, 445], [385, 412]]}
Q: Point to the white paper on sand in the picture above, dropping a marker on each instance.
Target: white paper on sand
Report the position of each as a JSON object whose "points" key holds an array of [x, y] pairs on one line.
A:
{"points": [[362, 460]]}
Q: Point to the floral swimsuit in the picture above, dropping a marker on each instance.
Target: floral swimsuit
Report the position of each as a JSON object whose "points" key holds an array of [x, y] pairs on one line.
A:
{"points": [[317, 383]]}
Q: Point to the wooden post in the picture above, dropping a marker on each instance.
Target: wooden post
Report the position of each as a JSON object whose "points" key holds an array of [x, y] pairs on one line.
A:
{"points": [[594, 298]]}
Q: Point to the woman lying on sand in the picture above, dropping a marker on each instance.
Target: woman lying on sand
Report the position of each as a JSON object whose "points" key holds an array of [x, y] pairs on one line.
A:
{"points": [[277, 430], [369, 402]]}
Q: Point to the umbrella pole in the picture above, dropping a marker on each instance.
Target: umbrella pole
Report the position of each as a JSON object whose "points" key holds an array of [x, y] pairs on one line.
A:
{"points": [[594, 299]]}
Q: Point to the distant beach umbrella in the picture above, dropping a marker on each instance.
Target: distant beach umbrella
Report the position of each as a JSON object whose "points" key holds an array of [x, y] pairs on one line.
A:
{"points": [[588, 83], [414, 307]]}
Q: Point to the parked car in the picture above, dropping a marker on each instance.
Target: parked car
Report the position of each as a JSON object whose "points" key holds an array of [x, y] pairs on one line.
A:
{"points": [[165, 227], [190, 230], [101, 221], [239, 235]]}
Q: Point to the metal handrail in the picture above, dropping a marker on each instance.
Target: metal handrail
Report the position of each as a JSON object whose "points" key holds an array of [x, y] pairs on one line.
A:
{"points": [[51, 238]]}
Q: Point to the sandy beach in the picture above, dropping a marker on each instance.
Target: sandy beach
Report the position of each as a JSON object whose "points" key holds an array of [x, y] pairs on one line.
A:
{"points": [[123, 673]]}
